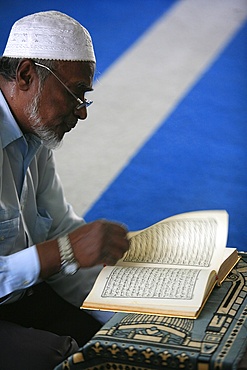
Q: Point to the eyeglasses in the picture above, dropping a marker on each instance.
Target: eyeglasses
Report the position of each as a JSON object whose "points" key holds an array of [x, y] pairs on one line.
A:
{"points": [[82, 103]]}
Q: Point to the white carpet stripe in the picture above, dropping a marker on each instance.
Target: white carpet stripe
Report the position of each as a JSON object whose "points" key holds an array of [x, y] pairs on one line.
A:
{"points": [[139, 91]]}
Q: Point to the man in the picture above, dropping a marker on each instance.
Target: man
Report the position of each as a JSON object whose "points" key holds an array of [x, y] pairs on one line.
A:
{"points": [[49, 257]]}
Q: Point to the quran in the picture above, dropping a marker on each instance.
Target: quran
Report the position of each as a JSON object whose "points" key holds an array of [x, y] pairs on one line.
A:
{"points": [[170, 268]]}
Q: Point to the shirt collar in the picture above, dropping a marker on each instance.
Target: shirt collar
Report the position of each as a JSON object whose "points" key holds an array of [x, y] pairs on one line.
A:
{"points": [[9, 129]]}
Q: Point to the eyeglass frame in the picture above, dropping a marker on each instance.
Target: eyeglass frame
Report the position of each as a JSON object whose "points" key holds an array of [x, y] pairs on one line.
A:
{"points": [[82, 103]]}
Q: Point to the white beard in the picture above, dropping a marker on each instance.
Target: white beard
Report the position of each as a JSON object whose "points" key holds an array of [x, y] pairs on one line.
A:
{"points": [[48, 137]]}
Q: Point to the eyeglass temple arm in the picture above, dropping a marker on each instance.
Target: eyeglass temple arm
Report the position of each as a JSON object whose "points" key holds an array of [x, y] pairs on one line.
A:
{"points": [[48, 69]]}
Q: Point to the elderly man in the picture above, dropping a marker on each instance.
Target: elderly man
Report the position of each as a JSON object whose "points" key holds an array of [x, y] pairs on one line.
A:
{"points": [[49, 257]]}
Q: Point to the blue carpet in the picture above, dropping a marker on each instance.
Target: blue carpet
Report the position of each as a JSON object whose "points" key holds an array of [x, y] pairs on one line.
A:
{"points": [[196, 160]]}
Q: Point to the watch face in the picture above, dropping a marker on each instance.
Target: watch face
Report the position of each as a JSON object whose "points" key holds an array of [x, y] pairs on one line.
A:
{"points": [[70, 268]]}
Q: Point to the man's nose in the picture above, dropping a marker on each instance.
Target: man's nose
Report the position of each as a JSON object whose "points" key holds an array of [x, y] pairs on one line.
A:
{"points": [[81, 113]]}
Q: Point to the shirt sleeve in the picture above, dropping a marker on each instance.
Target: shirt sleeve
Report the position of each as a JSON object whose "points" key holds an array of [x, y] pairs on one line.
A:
{"points": [[19, 270]]}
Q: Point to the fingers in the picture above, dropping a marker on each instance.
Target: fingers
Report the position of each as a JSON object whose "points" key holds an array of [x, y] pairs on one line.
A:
{"points": [[99, 242], [115, 244]]}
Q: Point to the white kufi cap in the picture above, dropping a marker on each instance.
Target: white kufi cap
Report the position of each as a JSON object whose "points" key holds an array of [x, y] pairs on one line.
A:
{"points": [[49, 35]]}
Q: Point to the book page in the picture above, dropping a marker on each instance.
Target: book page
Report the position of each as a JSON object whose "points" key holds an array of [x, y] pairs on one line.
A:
{"points": [[189, 239], [148, 282], [149, 290]]}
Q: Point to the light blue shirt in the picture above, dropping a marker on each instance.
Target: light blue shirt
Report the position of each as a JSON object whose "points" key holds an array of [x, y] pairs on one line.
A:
{"points": [[32, 205]]}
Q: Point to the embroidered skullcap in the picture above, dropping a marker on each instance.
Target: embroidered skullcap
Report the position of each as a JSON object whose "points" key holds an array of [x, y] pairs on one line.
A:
{"points": [[49, 35]]}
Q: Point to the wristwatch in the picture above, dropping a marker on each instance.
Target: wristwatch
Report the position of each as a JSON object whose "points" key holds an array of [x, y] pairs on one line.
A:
{"points": [[69, 265]]}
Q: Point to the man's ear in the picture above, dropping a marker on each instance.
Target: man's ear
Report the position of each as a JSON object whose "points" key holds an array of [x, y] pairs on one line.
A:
{"points": [[25, 74]]}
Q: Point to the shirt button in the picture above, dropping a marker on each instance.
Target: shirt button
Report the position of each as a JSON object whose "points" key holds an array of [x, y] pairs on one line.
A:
{"points": [[2, 237]]}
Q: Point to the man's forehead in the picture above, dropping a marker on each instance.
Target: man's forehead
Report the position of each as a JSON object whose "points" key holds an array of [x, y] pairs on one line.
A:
{"points": [[79, 74], [76, 68]]}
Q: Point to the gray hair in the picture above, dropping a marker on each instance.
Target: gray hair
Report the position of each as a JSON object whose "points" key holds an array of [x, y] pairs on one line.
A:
{"points": [[8, 68]]}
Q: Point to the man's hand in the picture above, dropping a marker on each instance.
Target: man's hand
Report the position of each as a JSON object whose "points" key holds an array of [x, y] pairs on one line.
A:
{"points": [[95, 243], [99, 242]]}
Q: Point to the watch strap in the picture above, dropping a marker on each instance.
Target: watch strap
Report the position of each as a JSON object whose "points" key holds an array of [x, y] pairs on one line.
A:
{"points": [[67, 254]]}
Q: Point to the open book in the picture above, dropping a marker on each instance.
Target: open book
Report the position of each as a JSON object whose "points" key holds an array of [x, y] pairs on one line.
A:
{"points": [[170, 268]]}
